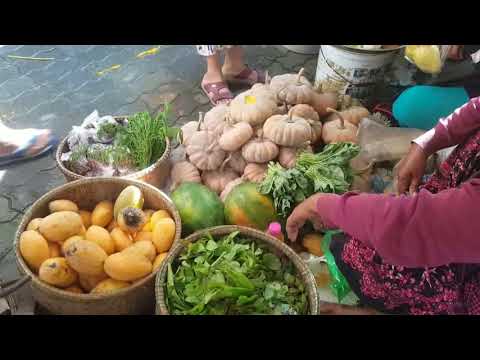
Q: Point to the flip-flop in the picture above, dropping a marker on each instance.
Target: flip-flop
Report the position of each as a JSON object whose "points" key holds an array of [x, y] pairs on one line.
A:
{"points": [[248, 77], [23, 155], [213, 90]]}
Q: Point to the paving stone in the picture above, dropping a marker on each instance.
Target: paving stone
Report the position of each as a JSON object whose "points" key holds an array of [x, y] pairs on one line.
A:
{"points": [[293, 62], [6, 212]]}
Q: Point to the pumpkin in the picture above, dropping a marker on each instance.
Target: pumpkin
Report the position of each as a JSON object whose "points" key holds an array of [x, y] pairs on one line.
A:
{"points": [[247, 107], [198, 206], [184, 171], [234, 137], [317, 128], [263, 90], [191, 128], [296, 92], [204, 152], [321, 102], [287, 130], [278, 82], [362, 173], [305, 112], [216, 180], [259, 150], [353, 115], [339, 130], [236, 162], [215, 119], [255, 172], [245, 206], [229, 187], [287, 156]]}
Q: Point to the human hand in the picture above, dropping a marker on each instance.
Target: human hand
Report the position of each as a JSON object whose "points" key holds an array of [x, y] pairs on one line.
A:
{"points": [[306, 211], [411, 170]]}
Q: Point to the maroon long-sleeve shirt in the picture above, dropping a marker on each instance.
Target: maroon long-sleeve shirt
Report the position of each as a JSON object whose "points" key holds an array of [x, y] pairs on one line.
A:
{"points": [[425, 229]]}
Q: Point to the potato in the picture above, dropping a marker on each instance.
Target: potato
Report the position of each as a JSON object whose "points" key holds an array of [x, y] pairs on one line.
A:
{"points": [[85, 257], [109, 285], [34, 224], [34, 249], [88, 282], [121, 239], [74, 289], [57, 272], [55, 250], [113, 224], [102, 215], [163, 234], [144, 247], [61, 225], [160, 214], [102, 237], [127, 266], [159, 260], [62, 205], [143, 235], [86, 218], [67, 242]]}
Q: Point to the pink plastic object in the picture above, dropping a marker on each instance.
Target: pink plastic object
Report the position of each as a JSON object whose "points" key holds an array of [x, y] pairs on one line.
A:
{"points": [[275, 229]]}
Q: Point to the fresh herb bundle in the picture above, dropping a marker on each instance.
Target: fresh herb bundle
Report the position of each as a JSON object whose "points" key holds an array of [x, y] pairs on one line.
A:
{"points": [[145, 137], [233, 276], [104, 155], [327, 172]]}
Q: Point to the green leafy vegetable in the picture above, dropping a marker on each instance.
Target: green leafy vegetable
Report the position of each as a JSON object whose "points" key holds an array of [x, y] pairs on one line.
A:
{"points": [[327, 172], [232, 276]]}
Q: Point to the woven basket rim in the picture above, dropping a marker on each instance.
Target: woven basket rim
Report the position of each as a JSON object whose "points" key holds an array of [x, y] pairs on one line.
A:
{"points": [[25, 269], [301, 267], [135, 175]]}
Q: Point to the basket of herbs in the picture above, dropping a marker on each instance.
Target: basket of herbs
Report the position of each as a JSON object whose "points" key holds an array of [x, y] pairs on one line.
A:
{"points": [[233, 270], [135, 147]]}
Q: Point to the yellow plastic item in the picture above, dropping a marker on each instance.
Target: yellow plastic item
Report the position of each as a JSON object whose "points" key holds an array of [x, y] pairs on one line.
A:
{"points": [[426, 57]]}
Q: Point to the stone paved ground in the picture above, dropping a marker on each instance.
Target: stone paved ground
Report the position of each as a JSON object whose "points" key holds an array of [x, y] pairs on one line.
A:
{"points": [[59, 93]]}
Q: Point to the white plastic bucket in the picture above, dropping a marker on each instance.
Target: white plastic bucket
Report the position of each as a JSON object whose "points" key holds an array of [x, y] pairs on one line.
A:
{"points": [[350, 71]]}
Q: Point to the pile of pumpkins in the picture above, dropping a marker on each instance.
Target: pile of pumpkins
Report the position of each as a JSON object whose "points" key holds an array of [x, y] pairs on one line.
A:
{"points": [[270, 122]]}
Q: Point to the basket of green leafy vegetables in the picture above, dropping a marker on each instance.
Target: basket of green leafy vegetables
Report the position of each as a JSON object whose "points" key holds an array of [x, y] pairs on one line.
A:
{"points": [[135, 147], [233, 270]]}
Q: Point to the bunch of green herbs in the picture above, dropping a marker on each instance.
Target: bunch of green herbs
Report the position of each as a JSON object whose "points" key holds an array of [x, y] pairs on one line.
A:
{"points": [[327, 172], [145, 137], [233, 276], [107, 155]]}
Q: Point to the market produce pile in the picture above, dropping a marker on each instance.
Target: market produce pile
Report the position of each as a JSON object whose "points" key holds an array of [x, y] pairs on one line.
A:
{"points": [[233, 275], [108, 146], [261, 148], [98, 251]]}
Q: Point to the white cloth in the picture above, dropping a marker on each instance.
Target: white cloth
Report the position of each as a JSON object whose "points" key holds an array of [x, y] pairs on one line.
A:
{"points": [[209, 50]]}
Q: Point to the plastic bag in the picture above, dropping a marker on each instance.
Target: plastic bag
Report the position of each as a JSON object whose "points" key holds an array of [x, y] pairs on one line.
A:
{"points": [[338, 283], [380, 143], [428, 58]]}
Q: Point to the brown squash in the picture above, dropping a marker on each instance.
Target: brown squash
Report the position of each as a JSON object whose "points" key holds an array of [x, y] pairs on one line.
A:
{"points": [[339, 130], [216, 180], [204, 152], [235, 136], [184, 171], [259, 149], [251, 108], [236, 161], [215, 119], [255, 172], [353, 115], [296, 92], [288, 155], [287, 130]]}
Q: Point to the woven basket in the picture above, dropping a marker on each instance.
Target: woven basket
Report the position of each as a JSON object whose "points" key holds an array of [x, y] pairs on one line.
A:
{"points": [[276, 246], [139, 298], [155, 175]]}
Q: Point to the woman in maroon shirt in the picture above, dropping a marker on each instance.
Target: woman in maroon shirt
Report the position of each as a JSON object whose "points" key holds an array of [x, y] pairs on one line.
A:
{"points": [[416, 253]]}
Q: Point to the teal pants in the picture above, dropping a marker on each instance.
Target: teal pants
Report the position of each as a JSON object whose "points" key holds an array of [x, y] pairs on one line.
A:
{"points": [[421, 107]]}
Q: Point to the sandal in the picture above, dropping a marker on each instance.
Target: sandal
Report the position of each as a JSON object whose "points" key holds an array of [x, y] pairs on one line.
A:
{"points": [[218, 93], [28, 151], [248, 77]]}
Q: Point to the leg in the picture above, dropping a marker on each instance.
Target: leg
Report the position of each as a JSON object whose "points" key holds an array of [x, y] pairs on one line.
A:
{"points": [[212, 82], [236, 72], [421, 107]]}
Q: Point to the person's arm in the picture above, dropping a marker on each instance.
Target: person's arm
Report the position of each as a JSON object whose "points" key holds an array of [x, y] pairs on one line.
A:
{"points": [[452, 130], [414, 231]]}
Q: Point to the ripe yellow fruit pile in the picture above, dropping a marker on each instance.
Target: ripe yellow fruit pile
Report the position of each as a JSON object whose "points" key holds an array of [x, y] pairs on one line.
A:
{"points": [[92, 252]]}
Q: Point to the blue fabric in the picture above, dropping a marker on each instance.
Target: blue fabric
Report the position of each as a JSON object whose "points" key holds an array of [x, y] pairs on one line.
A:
{"points": [[421, 107]]}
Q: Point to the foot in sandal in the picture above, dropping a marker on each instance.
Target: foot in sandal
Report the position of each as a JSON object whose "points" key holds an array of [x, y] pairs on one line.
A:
{"points": [[218, 92], [244, 77]]}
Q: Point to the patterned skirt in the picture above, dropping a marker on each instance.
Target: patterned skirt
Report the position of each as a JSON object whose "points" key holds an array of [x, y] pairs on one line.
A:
{"points": [[209, 50], [449, 289]]}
